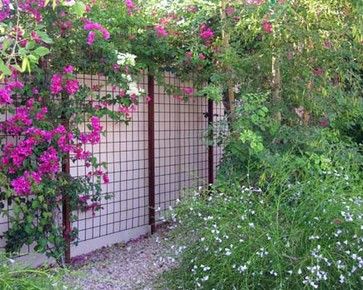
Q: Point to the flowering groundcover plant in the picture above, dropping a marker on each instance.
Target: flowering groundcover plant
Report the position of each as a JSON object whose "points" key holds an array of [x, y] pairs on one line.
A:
{"points": [[299, 226]]}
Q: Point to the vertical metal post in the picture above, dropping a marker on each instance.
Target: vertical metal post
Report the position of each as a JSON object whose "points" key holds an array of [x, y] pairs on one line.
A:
{"points": [[66, 204], [210, 147], [66, 216], [151, 151]]}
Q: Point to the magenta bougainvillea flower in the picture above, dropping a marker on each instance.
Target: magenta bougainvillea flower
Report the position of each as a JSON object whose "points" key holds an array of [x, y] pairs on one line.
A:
{"points": [[91, 37], [130, 5], [5, 10], [41, 114], [92, 27], [18, 123], [7, 91], [5, 96], [105, 178], [68, 69], [22, 151], [202, 56], [56, 84], [49, 161], [94, 136], [206, 33], [72, 86], [21, 186], [267, 26], [160, 31], [188, 90]]}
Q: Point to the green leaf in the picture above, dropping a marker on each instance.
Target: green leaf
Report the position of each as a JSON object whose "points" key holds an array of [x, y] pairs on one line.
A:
{"points": [[5, 70], [79, 8], [45, 38], [41, 51], [24, 64], [5, 44]]}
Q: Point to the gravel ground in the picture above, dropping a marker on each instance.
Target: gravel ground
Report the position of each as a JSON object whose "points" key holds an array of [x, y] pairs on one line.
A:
{"points": [[135, 265]]}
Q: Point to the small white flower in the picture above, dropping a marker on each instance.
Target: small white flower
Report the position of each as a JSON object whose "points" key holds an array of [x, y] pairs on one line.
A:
{"points": [[242, 268], [69, 3], [228, 252], [341, 279]]}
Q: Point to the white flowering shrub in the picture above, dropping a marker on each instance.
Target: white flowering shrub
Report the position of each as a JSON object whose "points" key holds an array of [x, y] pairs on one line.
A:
{"points": [[297, 223]]}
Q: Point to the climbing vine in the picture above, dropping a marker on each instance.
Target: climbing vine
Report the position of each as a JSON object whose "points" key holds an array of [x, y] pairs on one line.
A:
{"points": [[45, 44]]}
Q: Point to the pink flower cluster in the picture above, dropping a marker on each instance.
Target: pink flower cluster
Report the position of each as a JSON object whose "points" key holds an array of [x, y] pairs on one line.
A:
{"points": [[61, 82], [127, 110], [56, 142], [230, 10], [267, 26], [5, 10], [130, 6], [32, 7], [188, 90], [18, 123], [94, 136], [206, 33], [160, 31], [22, 185], [48, 162], [7, 91], [92, 27]]}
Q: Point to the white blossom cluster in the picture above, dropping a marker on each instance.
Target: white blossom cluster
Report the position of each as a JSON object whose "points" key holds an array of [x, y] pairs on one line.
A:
{"points": [[125, 59]]}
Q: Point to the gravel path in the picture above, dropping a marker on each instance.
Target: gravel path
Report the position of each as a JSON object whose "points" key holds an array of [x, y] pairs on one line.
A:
{"points": [[134, 265]]}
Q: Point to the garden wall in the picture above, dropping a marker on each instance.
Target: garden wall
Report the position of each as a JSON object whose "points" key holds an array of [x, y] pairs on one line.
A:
{"points": [[181, 159]]}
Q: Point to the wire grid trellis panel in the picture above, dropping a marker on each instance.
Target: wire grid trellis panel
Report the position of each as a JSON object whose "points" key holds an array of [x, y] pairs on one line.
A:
{"points": [[181, 161], [124, 147], [181, 154]]}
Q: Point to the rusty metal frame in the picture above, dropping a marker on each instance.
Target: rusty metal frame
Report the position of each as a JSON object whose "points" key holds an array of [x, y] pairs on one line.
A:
{"points": [[151, 150]]}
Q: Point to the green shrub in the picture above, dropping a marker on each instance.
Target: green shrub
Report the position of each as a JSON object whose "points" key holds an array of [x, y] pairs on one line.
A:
{"points": [[293, 219], [16, 277]]}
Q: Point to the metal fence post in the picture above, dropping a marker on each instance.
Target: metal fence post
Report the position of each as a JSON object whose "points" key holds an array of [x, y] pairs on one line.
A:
{"points": [[210, 146], [151, 150], [66, 217], [66, 207]]}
